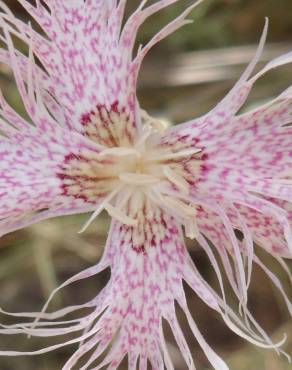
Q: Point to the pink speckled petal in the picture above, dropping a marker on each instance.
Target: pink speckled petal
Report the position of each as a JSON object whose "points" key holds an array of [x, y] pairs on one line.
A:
{"points": [[276, 281], [275, 244], [212, 228], [32, 153], [141, 292], [264, 229], [90, 63], [227, 240], [246, 162], [82, 53], [31, 189], [228, 106], [135, 22], [25, 219], [231, 171], [255, 149], [212, 126], [272, 212], [23, 64]]}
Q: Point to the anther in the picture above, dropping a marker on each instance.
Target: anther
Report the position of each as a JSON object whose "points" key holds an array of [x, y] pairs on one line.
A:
{"points": [[177, 155], [191, 228], [176, 179], [159, 125], [120, 152], [116, 213]]}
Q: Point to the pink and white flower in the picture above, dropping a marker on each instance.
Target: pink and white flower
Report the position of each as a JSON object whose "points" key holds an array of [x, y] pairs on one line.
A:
{"points": [[88, 146]]}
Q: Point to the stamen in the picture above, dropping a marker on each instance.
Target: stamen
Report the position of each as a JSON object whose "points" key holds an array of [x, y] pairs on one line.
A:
{"points": [[191, 228], [120, 151], [120, 216], [92, 218], [180, 207], [142, 140], [99, 209], [158, 125], [176, 179], [177, 155]]}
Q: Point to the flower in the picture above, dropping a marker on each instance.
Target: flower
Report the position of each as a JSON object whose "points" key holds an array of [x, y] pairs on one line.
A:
{"points": [[88, 146]]}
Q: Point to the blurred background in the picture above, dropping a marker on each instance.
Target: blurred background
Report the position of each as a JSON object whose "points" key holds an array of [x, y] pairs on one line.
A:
{"points": [[182, 78]]}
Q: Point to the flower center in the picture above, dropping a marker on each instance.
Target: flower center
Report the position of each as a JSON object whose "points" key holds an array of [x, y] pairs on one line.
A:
{"points": [[149, 169]]}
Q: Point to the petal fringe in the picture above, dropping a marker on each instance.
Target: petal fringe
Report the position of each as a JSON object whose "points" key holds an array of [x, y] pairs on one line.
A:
{"points": [[126, 317]]}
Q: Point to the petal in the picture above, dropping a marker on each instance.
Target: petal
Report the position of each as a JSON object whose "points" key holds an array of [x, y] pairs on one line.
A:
{"points": [[224, 240], [31, 187], [148, 265], [87, 70], [89, 59], [226, 108], [246, 162], [32, 154], [267, 231], [46, 90], [141, 291], [215, 123], [252, 159]]}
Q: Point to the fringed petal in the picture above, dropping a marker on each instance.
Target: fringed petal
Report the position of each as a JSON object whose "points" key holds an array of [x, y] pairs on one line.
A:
{"points": [[90, 63], [86, 69], [141, 291], [149, 263], [226, 108], [246, 161], [31, 160], [223, 237], [267, 231], [264, 230], [31, 185], [216, 175], [33, 154], [46, 90], [211, 127]]}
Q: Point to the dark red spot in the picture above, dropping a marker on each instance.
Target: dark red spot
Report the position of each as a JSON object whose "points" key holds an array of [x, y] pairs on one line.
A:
{"points": [[140, 249], [86, 118]]}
